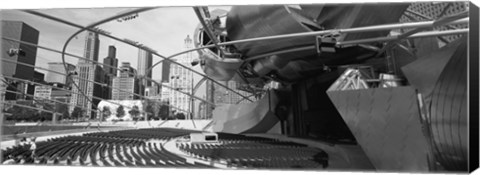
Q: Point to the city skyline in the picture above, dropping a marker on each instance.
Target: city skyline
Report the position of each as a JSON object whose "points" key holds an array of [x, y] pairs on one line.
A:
{"points": [[159, 30], [154, 33]]}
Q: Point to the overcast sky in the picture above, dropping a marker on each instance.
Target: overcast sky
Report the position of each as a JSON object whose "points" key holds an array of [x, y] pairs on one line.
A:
{"points": [[162, 29]]}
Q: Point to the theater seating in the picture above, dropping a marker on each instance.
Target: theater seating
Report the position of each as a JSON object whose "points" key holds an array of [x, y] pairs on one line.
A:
{"points": [[258, 152], [138, 148]]}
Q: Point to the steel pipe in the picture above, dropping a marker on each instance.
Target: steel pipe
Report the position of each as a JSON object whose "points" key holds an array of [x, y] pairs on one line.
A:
{"points": [[53, 50], [417, 35], [115, 38]]}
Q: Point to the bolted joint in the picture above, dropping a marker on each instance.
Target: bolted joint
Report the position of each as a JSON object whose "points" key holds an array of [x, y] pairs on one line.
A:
{"points": [[326, 44]]}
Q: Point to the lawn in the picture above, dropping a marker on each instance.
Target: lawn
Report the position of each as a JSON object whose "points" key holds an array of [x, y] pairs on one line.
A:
{"points": [[10, 130]]}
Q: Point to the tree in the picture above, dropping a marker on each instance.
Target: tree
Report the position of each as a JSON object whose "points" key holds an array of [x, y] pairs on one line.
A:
{"points": [[65, 115], [180, 116], [134, 112], [150, 112], [164, 112], [45, 116], [106, 111], [120, 112], [20, 113], [77, 113]]}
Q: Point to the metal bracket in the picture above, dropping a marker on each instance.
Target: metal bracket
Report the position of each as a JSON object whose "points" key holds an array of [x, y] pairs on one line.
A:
{"points": [[326, 44]]}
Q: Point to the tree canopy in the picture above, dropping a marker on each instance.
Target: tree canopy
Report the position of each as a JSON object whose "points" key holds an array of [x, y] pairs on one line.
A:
{"points": [[120, 112], [77, 112], [134, 112]]}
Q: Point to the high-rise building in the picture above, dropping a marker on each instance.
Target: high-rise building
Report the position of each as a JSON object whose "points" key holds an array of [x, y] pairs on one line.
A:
{"points": [[125, 86], [92, 44], [154, 92], [112, 61], [110, 71], [83, 96], [87, 73], [166, 71], [38, 78], [165, 92], [54, 77], [181, 79], [25, 54], [145, 59]]}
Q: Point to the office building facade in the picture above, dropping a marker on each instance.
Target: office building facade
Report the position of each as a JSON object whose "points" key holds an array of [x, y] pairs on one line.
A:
{"points": [[112, 62], [86, 74], [92, 44], [110, 71], [125, 86], [181, 79], [145, 60], [58, 74], [87, 93], [24, 54]]}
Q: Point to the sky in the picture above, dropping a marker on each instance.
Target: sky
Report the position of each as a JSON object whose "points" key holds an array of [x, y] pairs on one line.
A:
{"points": [[162, 29]]}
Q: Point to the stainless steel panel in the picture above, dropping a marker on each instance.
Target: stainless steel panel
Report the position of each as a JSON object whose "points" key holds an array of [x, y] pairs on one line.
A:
{"points": [[448, 113], [256, 117], [442, 79], [386, 124], [423, 73]]}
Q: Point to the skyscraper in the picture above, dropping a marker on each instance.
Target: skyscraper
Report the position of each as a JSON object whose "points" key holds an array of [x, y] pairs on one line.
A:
{"points": [[110, 71], [166, 71], [87, 73], [112, 61], [83, 96], [125, 86], [26, 54], [92, 44], [181, 79], [145, 59]]}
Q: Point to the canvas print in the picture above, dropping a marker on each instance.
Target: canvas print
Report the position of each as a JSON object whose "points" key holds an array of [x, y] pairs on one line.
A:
{"points": [[378, 87]]}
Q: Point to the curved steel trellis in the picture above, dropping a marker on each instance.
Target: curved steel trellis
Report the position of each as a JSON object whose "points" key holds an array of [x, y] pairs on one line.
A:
{"points": [[120, 40], [82, 58], [97, 98]]}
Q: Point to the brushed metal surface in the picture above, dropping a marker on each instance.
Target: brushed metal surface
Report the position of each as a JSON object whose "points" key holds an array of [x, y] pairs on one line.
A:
{"points": [[441, 77], [423, 73], [245, 22], [386, 124], [448, 112], [256, 117]]}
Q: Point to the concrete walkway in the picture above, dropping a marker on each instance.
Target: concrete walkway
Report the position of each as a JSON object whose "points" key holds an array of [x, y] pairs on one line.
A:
{"points": [[341, 157]]}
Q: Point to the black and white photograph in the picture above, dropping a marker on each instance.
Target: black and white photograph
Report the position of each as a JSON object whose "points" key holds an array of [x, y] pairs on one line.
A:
{"points": [[308, 87]]}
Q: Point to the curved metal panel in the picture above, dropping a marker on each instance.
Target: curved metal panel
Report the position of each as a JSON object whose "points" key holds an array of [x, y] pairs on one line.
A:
{"points": [[448, 112], [257, 117], [425, 71], [245, 22], [219, 69]]}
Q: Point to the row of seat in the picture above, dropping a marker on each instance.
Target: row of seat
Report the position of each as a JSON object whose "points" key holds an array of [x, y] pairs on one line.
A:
{"points": [[136, 148], [144, 134], [116, 148], [93, 139], [110, 154], [255, 152]]}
